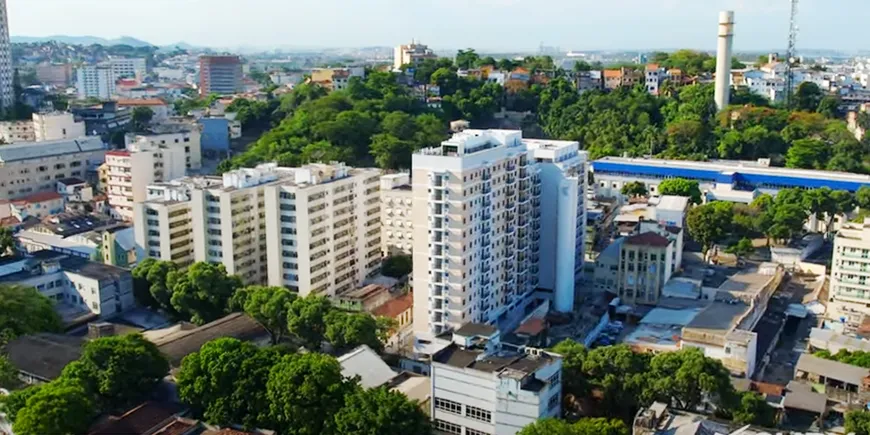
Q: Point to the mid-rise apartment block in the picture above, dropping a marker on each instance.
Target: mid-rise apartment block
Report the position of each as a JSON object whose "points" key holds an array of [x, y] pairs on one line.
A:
{"points": [[56, 126], [95, 82], [27, 168], [483, 387], [411, 54], [311, 229], [187, 136], [7, 97], [221, 75], [850, 272], [129, 172], [54, 74], [16, 131], [133, 67], [478, 213], [397, 226], [655, 75]]}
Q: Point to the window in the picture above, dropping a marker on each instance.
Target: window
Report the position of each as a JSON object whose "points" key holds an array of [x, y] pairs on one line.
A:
{"points": [[448, 427], [470, 431], [554, 402], [448, 405], [554, 380], [478, 414]]}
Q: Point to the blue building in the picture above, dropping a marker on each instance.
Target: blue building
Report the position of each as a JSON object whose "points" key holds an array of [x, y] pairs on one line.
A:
{"points": [[726, 180], [215, 134]]}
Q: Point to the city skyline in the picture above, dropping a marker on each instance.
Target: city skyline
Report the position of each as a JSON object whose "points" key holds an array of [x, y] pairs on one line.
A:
{"points": [[760, 24]]}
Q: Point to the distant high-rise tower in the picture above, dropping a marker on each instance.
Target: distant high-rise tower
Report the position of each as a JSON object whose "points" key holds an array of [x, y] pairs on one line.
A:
{"points": [[221, 75], [6, 94], [723, 59]]}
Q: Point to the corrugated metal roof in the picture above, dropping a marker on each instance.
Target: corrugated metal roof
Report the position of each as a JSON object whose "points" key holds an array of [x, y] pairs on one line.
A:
{"points": [[37, 150], [832, 369]]}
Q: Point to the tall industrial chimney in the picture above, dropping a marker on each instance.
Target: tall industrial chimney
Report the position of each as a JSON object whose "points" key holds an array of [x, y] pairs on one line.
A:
{"points": [[723, 59]]}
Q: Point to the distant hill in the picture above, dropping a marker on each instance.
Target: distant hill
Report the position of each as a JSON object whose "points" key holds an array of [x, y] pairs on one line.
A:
{"points": [[83, 40]]}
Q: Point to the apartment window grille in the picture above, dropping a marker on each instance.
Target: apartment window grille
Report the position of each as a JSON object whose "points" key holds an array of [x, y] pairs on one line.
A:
{"points": [[448, 427], [449, 406], [478, 414]]}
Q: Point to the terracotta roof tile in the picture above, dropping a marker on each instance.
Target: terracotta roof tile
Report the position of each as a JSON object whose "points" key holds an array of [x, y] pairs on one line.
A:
{"points": [[141, 102], [647, 239], [38, 197], [533, 326], [395, 307]]}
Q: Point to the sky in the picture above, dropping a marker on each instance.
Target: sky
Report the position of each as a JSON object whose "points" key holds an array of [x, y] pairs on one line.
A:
{"points": [[487, 25]]}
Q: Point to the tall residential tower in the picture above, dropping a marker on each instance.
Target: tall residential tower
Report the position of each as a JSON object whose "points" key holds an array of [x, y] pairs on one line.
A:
{"points": [[6, 93]]}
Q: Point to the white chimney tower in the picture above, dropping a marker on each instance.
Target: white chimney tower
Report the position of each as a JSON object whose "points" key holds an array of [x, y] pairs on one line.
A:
{"points": [[723, 59]]}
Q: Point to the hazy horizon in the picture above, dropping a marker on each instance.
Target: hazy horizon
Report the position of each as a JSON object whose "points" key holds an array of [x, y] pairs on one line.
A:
{"points": [[487, 25]]}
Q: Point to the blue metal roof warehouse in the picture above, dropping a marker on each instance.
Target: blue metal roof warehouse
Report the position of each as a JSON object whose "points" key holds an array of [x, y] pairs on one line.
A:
{"points": [[744, 175]]}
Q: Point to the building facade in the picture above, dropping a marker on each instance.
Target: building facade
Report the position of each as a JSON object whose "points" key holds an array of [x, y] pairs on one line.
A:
{"points": [[411, 54], [7, 97], [17, 131], [221, 75], [481, 387], [311, 229], [850, 272], [55, 74], [95, 82], [563, 217], [476, 200], [169, 136], [56, 125], [28, 168], [397, 226], [134, 67], [129, 172], [646, 264]]}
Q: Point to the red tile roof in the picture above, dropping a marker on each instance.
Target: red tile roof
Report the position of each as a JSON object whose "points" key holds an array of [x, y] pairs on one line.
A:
{"points": [[533, 326], [120, 153], [38, 197], [612, 73], [395, 307], [647, 239]]}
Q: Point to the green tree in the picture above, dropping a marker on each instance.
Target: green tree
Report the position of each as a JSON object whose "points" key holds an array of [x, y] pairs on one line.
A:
{"points": [[56, 408], [269, 307], [742, 248], [150, 282], [686, 378], [306, 319], [709, 224], [118, 371], [788, 221], [575, 382], [584, 426], [391, 152], [619, 374], [808, 95], [203, 291], [141, 118], [634, 188], [345, 331], [17, 400], [467, 59], [397, 266], [23, 310], [829, 106], [807, 154], [8, 374], [317, 393], [225, 382], [7, 242], [380, 411], [681, 187], [862, 197], [858, 422], [753, 409]]}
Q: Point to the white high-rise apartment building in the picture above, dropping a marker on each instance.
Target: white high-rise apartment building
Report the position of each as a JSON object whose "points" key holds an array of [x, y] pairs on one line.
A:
{"points": [[128, 67], [187, 136], [95, 82], [311, 229], [487, 204], [7, 97], [563, 217], [411, 54], [850, 273], [397, 227], [129, 172], [476, 230]]}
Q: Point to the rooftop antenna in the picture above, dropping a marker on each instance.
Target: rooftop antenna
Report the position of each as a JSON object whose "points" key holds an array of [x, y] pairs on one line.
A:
{"points": [[791, 55]]}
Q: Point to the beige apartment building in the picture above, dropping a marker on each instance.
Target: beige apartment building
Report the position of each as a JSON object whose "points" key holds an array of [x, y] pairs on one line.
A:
{"points": [[27, 168], [17, 131], [187, 136], [850, 274], [129, 172], [476, 221], [397, 227], [311, 229], [43, 127]]}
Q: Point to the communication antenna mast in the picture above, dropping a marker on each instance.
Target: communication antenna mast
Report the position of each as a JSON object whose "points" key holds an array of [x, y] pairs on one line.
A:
{"points": [[791, 55]]}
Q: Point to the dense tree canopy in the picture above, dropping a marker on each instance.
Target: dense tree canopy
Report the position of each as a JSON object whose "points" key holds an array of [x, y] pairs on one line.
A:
{"points": [[380, 411], [858, 422], [23, 310], [681, 187], [56, 408], [584, 426], [397, 266]]}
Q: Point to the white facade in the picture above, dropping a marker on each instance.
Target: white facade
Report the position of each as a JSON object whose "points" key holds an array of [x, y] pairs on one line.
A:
{"points": [[499, 398], [312, 229], [130, 173], [411, 54], [186, 137], [28, 168], [135, 67], [95, 82], [397, 226], [56, 125], [723, 59], [7, 97], [850, 271], [476, 230], [563, 217], [17, 131], [655, 75]]}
